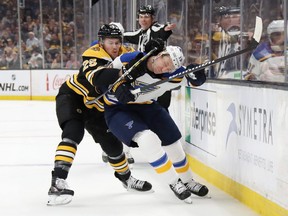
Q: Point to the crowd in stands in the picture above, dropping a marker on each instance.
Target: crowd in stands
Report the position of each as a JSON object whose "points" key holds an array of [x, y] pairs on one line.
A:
{"points": [[40, 43], [50, 42]]}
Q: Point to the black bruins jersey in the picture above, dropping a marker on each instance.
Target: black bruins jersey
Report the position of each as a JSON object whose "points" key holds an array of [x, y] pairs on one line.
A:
{"points": [[95, 60]]}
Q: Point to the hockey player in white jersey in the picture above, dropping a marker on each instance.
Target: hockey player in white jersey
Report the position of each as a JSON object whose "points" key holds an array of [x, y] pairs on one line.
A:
{"points": [[144, 121], [267, 62]]}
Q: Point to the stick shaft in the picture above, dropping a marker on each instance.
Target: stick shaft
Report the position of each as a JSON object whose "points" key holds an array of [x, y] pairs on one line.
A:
{"points": [[195, 69], [253, 44]]}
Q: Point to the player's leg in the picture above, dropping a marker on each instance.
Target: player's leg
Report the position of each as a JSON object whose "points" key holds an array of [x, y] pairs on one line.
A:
{"points": [[116, 157], [150, 146], [180, 162], [166, 129], [72, 134]]}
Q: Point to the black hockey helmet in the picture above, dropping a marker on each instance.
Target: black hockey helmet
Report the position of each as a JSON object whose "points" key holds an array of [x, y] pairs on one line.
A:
{"points": [[222, 11], [146, 9], [109, 31]]}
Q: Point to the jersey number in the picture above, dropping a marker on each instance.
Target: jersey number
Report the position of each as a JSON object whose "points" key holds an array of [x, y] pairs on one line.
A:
{"points": [[89, 63]]}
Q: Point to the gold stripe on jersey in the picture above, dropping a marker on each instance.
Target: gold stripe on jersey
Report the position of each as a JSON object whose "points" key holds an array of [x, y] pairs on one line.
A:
{"points": [[90, 74], [266, 57], [176, 80], [97, 52], [76, 86], [96, 104], [81, 90]]}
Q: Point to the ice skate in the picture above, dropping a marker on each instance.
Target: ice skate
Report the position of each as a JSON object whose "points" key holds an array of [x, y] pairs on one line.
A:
{"points": [[133, 184], [104, 157], [197, 188], [59, 192], [181, 191]]}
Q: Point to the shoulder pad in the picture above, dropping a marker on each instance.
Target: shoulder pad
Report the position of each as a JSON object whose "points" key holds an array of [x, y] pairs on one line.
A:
{"points": [[97, 52]]}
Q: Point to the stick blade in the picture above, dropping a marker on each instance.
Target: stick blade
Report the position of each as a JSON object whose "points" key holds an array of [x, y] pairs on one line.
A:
{"points": [[258, 29]]}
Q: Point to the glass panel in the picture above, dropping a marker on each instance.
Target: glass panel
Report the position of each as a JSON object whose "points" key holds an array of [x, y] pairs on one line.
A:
{"points": [[267, 62], [9, 36], [226, 29], [54, 33], [176, 14], [198, 32]]}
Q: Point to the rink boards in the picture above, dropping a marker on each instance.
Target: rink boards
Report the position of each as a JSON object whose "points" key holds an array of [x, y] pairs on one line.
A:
{"points": [[236, 138]]}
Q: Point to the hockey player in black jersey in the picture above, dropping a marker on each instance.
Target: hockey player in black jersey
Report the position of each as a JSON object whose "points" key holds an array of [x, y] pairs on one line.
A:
{"points": [[75, 115], [141, 119]]}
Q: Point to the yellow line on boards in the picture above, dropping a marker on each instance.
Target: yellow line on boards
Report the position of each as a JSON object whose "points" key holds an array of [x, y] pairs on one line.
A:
{"points": [[255, 201]]}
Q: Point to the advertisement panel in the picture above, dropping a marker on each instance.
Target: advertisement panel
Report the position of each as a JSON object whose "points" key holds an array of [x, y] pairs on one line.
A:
{"points": [[15, 83], [200, 119], [47, 83], [241, 132]]}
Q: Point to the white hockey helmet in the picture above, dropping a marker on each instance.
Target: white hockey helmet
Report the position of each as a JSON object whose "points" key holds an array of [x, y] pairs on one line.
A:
{"points": [[119, 25], [176, 55], [275, 26]]}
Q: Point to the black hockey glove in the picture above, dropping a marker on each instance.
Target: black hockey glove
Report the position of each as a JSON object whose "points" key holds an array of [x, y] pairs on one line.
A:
{"points": [[122, 92], [138, 71], [197, 78], [158, 43]]}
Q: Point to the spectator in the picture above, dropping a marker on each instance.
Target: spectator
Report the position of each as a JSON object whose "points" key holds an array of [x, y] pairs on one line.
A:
{"points": [[56, 63], [68, 42], [72, 63], [36, 60], [32, 41], [267, 62]]}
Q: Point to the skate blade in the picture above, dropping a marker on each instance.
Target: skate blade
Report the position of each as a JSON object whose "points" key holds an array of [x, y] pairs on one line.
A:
{"points": [[55, 200], [202, 197], [188, 200], [130, 190]]}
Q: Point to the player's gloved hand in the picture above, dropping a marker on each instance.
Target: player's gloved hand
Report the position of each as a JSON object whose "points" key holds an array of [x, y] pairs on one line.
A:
{"points": [[198, 77], [158, 43], [138, 71], [122, 92]]}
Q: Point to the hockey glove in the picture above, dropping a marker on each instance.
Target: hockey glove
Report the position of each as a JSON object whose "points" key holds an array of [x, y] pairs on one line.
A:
{"points": [[197, 78], [138, 71], [122, 92], [158, 43]]}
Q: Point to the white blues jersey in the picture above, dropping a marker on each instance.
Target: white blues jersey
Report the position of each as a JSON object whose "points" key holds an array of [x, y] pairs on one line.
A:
{"points": [[151, 94]]}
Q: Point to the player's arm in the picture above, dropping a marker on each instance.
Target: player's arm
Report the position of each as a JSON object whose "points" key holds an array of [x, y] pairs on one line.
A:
{"points": [[132, 37], [97, 73]]}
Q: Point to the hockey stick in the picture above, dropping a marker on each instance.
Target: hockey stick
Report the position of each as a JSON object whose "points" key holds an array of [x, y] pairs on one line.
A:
{"points": [[252, 45], [124, 74]]}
